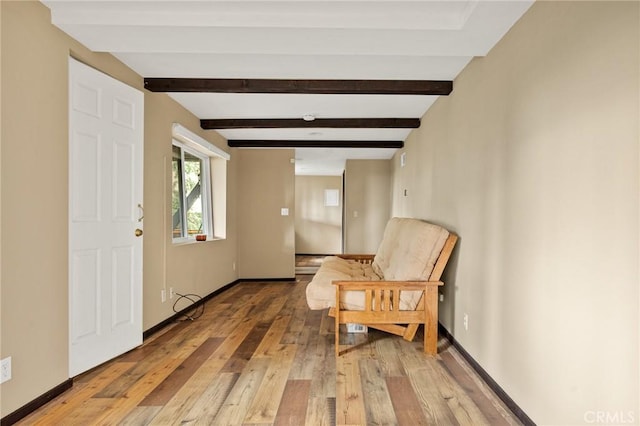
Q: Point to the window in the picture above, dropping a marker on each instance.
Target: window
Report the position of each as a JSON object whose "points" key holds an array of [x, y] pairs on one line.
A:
{"points": [[198, 187], [191, 197], [332, 197]]}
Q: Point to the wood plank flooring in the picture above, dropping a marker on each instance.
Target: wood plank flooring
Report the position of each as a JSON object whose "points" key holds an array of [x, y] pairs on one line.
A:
{"points": [[308, 264], [259, 356]]}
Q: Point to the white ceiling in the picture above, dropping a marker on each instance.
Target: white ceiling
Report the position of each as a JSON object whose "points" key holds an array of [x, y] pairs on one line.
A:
{"points": [[303, 39]]}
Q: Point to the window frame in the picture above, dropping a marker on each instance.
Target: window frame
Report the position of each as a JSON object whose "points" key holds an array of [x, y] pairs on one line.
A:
{"points": [[205, 193], [216, 181]]}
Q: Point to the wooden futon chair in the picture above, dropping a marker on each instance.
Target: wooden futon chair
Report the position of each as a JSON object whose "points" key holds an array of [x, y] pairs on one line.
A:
{"points": [[394, 290]]}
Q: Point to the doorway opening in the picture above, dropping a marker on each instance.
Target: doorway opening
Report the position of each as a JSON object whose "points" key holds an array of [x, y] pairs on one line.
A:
{"points": [[318, 220]]}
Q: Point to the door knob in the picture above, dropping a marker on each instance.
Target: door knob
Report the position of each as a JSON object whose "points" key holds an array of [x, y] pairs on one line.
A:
{"points": [[138, 232]]}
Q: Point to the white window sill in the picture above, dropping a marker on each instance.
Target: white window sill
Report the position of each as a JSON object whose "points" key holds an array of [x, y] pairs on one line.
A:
{"points": [[188, 241]]}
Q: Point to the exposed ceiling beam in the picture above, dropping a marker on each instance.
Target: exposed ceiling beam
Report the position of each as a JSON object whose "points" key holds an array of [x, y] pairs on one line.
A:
{"points": [[342, 87], [250, 143], [338, 123]]}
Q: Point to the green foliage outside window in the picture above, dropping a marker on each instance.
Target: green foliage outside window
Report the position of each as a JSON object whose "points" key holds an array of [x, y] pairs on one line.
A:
{"points": [[186, 193]]}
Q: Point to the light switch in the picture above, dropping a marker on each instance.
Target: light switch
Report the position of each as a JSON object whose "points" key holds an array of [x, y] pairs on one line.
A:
{"points": [[284, 211]]}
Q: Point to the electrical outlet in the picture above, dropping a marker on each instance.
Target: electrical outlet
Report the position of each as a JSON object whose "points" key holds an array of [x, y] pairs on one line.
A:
{"points": [[465, 321], [441, 297], [5, 369], [163, 295], [233, 265], [171, 293]]}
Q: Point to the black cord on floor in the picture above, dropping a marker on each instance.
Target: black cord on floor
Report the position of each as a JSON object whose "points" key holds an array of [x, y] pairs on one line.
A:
{"points": [[196, 313]]}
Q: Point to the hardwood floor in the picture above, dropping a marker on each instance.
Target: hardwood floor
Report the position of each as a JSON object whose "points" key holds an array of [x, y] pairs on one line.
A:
{"points": [[308, 264], [259, 356]]}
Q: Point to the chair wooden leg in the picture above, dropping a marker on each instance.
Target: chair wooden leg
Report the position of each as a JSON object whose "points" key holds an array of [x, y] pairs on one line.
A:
{"points": [[336, 311], [398, 330], [410, 332], [431, 321], [337, 336]]}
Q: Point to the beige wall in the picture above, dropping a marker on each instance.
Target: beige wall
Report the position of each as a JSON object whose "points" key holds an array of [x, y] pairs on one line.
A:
{"points": [[533, 160], [266, 240], [367, 201], [34, 310], [197, 268], [318, 227], [1, 411]]}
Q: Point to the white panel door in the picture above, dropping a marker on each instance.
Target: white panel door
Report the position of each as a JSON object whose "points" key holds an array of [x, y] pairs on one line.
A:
{"points": [[105, 216]]}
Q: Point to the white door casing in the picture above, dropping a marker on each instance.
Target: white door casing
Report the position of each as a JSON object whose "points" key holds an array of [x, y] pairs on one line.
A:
{"points": [[105, 209]]}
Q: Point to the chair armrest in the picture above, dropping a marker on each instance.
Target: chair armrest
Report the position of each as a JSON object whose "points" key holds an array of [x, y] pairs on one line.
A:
{"points": [[362, 258], [385, 295], [384, 292], [363, 285]]}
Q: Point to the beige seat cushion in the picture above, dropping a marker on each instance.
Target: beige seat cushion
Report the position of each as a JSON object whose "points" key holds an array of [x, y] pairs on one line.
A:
{"points": [[409, 249], [408, 252], [321, 294]]}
